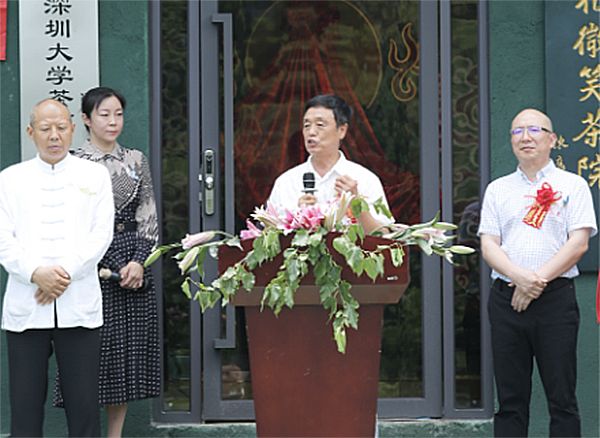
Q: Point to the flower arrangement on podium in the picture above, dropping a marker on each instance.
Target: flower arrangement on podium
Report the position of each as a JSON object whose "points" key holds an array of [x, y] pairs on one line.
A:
{"points": [[308, 227]]}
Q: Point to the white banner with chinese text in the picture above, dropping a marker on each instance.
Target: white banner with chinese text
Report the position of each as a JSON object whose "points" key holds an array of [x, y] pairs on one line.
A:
{"points": [[58, 48]]}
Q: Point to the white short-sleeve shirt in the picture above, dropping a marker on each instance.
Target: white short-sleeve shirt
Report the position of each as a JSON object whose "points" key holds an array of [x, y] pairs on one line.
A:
{"points": [[289, 185], [508, 199]]}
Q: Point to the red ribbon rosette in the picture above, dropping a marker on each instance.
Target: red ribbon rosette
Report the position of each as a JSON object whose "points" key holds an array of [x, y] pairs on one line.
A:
{"points": [[544, 199]]}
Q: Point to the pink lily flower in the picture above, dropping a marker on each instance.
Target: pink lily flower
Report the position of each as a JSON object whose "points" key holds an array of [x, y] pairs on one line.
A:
{"points": [[191, 240], [252, 231]]}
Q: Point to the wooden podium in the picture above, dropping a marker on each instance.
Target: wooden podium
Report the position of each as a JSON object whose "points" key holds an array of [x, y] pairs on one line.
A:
{"points": [[302, 386]]}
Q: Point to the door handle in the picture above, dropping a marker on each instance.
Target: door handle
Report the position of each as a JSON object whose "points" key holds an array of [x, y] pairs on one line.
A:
{"points": [[209, 182], [228, 167]]}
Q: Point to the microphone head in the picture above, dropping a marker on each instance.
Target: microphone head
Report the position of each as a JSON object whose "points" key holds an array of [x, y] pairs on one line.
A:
{"points": [[308, 180], [107, 274]]}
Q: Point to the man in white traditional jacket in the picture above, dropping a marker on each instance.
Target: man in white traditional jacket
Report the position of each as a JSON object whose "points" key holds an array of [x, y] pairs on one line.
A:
{"points": [[56, 222]]}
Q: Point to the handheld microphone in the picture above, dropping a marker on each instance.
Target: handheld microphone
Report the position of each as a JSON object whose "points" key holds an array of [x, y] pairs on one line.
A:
{"points": [[107, 274], [308, 180]]}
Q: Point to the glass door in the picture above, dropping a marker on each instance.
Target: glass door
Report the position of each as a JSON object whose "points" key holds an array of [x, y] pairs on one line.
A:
{"points": [[259, 62]]}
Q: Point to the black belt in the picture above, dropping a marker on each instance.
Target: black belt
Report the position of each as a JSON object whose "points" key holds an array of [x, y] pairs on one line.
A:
{"points": [[557, 283], [121, 227]]}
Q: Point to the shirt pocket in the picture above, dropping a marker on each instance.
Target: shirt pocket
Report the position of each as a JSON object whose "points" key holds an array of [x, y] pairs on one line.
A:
{"points": [[19, 300], [556, 217]]}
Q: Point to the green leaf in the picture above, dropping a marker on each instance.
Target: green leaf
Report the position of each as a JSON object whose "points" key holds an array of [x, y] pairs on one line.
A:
{"points": [[381, 208], [315, 239], [351, 315], [271, 244], [250, 260], [380, 261], [270, 294], [314, 253], [339, 334], [355, 260], [185, 287], [301, 238], [334, 272], [329, 303], [154, 256], [288, 294], [352, 233], [200, 261], [429, 224], [397, 255], [342, 245], [260, 252], [345, 295], [235, 242], [247, 279], [358, 206], [370, 265], [320, 269], [213, 251], [327, 289], [229, 273], [163, 249], [207, 297], [360, 231], [292, 269]]}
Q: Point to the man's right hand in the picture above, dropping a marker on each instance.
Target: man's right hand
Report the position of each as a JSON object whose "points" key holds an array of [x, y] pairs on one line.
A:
{"points": [[306, 200], [52, 281], [520, 300], [530, 283]]}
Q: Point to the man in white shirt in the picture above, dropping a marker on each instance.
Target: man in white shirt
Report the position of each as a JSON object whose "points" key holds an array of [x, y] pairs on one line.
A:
{"points": [[56, 222], [535, 226], [325, 124]]}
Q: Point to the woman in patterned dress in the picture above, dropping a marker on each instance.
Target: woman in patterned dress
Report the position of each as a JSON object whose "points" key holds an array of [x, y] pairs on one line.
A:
{"points": [[130, 355]]}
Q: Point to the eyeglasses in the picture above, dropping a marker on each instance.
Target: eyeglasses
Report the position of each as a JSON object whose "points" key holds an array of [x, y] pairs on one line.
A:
{"points": [[532, 130]]}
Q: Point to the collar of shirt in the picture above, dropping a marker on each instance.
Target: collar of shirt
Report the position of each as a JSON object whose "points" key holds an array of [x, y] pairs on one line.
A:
{"points": [[339, 168], [96, 154], [53, 168], [543, 172]]}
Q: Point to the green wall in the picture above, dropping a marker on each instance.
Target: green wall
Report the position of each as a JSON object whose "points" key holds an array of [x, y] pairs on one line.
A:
{"points": [[124, 65], [516, 55], [517, 81]]}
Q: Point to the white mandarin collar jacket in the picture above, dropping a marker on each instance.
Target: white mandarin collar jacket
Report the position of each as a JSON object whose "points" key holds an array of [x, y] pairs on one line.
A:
{"points": [[60, 214]]}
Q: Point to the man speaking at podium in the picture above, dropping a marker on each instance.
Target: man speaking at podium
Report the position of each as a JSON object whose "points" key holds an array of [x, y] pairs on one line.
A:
{"points": [[327, 173]]}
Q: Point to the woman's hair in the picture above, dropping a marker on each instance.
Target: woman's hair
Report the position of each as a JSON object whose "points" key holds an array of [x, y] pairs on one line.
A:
{"points": [[342, 112], [95, 96]]}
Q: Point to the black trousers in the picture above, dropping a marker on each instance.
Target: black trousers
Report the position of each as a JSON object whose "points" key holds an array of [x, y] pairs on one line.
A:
{"points": [[547, 330], [78, 357]]}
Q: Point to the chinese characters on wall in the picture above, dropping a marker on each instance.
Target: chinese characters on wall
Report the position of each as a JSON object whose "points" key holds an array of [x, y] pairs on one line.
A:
{"points": [[59, 56], [58, 33], [572, 43], [586, 45]]}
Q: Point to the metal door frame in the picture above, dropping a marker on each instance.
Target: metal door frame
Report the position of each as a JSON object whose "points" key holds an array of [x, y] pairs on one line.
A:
{"points": [[211, 25], [194, 415], [207, 113]]}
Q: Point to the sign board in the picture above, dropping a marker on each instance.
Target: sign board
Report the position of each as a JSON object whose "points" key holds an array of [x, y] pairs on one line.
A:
{"points": [[58, 48]]}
